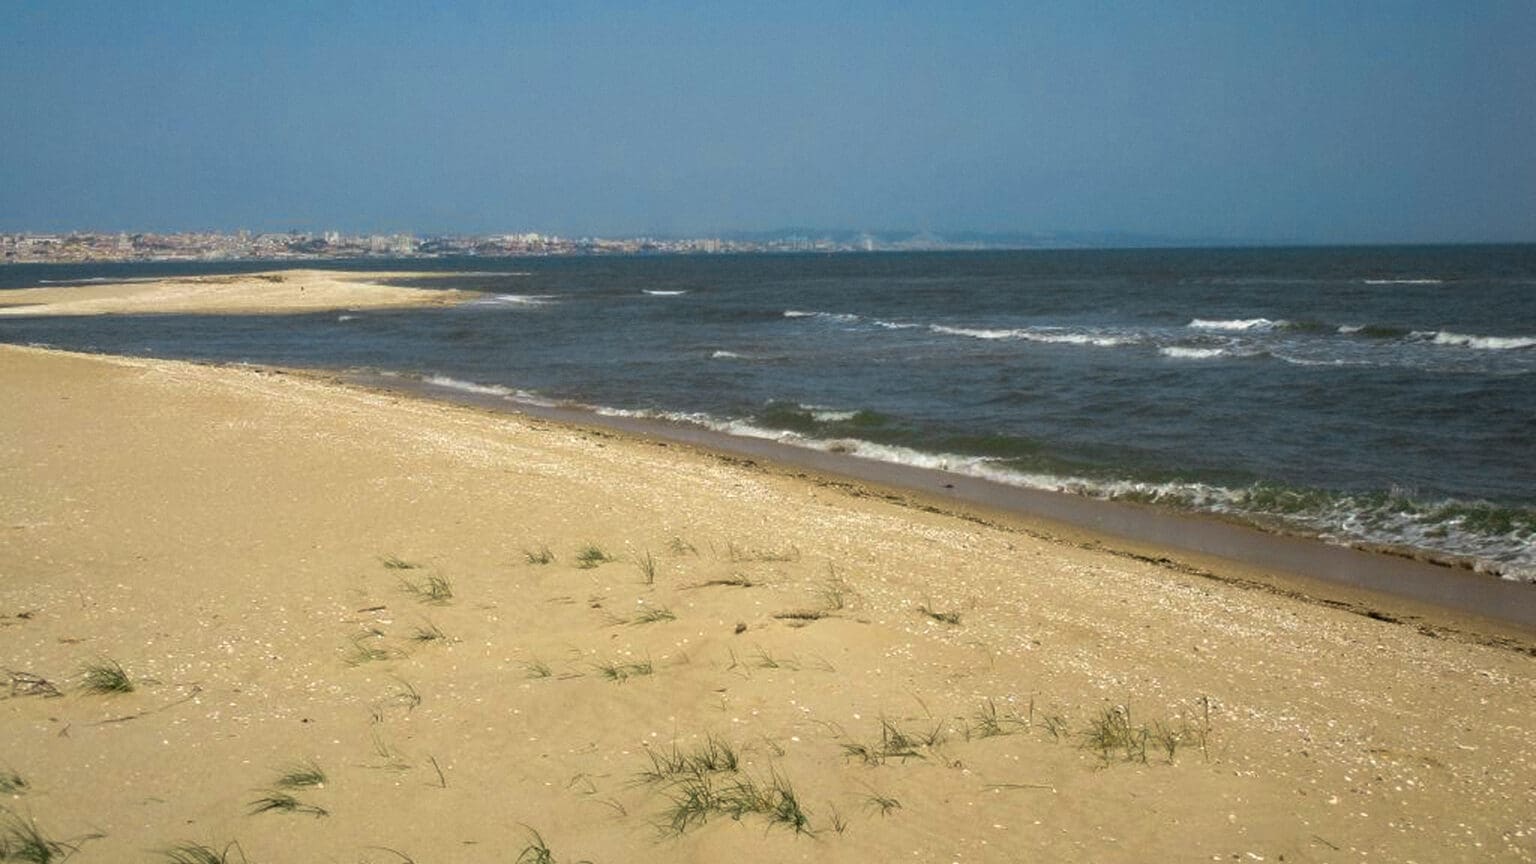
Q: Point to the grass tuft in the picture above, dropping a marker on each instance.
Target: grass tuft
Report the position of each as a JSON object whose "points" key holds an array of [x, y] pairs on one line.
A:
{"points": [[436, 590], [647, 565], [364, 652], [537, 669], [301, 775], [894, 743], [714, 756], [835, 591], [282, 802], [429, 632], [106, 676], [390, 562], [621, 672], [12, 783], [679, 546], [537, 851], [653, 614], [197, 853], [988, 722], [542, 555], [697, 797], [882, 804], [592, 556], [1112, 733], [22, 840]]}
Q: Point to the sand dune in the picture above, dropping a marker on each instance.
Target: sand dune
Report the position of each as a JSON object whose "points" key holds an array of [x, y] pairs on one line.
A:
{"points": [[748, 665]]}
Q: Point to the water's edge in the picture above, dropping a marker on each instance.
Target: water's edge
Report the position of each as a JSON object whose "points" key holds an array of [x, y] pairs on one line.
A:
{"points": [[1438, 584]]}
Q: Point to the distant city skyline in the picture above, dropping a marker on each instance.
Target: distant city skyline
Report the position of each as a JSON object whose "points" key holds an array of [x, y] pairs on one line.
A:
{"points": [[1342, 123]]}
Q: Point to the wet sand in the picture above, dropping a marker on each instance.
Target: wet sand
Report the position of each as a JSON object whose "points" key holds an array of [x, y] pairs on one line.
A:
{"points": [[259, 552]]}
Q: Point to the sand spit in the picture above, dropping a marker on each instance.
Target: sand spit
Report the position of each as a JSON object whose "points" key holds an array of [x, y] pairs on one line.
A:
{"points": [[365, 628], [251, 293]]}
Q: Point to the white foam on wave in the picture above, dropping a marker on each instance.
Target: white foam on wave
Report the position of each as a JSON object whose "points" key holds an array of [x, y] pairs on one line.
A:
{"points": [[1181, 352], [467, 386], [896, 325], [1482, 343], [654, 293], [518, 300], [974, 333], [1404, 281], [1235, 325], [829, 316], [829, 415], [346, 317], [1045, 335], [727, 355]]}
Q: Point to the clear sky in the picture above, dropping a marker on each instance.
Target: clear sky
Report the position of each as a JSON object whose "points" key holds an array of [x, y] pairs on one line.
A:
{"points": [[1286, 120]]}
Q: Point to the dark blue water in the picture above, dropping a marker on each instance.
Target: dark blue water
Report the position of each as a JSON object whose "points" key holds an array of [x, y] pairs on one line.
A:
{"points": [[1383, 395]]}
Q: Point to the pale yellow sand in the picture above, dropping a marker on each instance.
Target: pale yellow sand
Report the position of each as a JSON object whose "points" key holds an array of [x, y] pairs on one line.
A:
{"points": [[223, 533], [252, 293]]}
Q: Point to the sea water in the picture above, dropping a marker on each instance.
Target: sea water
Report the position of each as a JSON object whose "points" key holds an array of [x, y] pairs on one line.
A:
{"points": [[1365, 396]]}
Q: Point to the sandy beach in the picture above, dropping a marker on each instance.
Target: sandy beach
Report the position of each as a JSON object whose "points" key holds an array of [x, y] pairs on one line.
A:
{"points": [[360, 627], [243, 294]]}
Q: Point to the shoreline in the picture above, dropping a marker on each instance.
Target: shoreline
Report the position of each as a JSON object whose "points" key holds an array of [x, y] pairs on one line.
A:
{"points": [[1361, 578], [477, 625]]}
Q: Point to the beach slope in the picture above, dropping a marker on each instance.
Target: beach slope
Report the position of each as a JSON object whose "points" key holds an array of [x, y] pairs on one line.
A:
{"points": [[364, 628]]}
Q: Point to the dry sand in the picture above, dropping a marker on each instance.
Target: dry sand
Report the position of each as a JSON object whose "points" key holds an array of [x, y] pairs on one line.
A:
{"points": [[249, 293], [238, 541]]}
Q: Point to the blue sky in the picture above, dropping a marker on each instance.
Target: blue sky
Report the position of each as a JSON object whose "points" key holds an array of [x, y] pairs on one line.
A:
{"points": [[1283, 121]]}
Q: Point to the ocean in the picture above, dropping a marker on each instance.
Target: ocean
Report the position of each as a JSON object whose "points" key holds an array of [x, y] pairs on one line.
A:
{"points": [[1365, 396]]}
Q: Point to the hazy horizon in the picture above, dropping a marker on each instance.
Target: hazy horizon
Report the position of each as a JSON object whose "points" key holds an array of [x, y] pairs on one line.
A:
{"points": [[1325, 124]]}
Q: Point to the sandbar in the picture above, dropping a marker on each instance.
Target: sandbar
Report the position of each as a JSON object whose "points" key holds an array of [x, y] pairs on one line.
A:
{"points": [[277, 291], [478, 626]]}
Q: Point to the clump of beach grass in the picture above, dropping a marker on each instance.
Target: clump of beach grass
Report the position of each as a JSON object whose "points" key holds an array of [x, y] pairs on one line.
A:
{"points": [[537, 851], [882, 804], [301, 775], [1111, 733], [12, 783], [647, 565], [652, 615], [989, 722], [363, 651], [428, 632], [105, 675], [696, 797], [894, 743], [679, 546], [275, 801], [22, 840], [537, 669], [621, 672], [541, 555], [591, 556], [391, 562], [714, 756], [436, 590], [197, 853], [835, 591]]}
